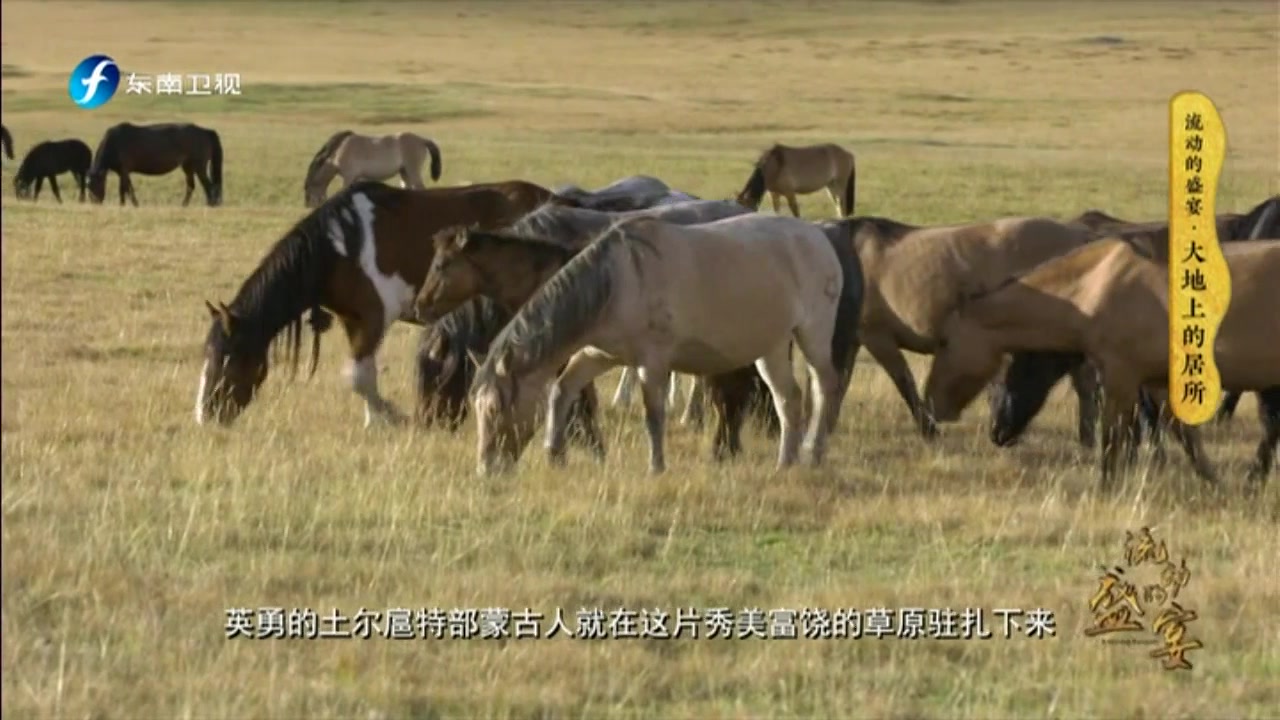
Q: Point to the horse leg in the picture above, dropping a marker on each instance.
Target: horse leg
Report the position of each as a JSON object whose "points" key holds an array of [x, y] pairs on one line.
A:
{"points": [[582, 421], [39, 183], [1228, 407], [729, 395], [653, 386], [1117, 426], [365, 336], [886, 352], [673, 390], [1189, 438], [206, 183], [622, 396], [1084, 379], [775, 368], [53, 186], [126, 186], [825, 383], [777, 208], [581, 369], [191, 186], [791, 203], [1269, 414], [833, 191], [82, 181], [695, 408]]}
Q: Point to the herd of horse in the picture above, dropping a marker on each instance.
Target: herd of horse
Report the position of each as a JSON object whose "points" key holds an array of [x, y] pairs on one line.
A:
{"points": [[527, 294]]}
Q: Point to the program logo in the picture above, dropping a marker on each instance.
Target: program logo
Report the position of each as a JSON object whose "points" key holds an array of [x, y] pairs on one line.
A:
{"points": [[93, 81]]}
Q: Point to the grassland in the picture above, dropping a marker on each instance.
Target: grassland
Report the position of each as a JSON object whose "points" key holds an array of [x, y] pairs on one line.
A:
{"points": [[128, 531]]}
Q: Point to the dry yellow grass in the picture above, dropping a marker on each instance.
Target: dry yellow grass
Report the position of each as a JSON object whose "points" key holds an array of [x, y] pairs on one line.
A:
{"points": [[128, 531]]}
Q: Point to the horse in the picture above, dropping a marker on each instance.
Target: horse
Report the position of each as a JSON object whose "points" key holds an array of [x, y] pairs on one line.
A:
{"points": [[790, 171], [361, 256], [669, 297], [636, 192], [158, 150], [510, 265], [1019, 396], [369, 157], [1107, 301], [48, 160], [916, 275], [6, 141]]}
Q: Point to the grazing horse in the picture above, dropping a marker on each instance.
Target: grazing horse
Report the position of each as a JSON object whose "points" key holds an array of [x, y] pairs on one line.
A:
{"points": [[1112, 304], [6, 141], [1019, 396], [510, 266], [158, 150], [369, 157], [790, 171], [636, 192], [445, 367], [916, 275], [669, 297], [361, 256], [48, 160]]}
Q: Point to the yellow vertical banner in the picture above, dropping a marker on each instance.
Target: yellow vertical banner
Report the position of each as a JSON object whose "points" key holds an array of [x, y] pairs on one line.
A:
{"points": [[1199, 283]]}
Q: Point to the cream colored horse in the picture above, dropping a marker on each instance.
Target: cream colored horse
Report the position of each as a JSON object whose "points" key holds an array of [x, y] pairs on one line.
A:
{"points": [[664, 297], [363, 157], [790, 171], [1112, 304]]}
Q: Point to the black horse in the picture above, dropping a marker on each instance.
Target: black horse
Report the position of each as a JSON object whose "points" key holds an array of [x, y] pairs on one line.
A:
{"points": [[158, 150], [6, 140], [47, 161], [1032, 375]]}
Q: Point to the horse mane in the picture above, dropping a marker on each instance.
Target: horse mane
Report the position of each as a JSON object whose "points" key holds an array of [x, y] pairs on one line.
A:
{"points": [[884, 228], [470, 327], [561, 251], [562, 310], [290, 279], [559, 225], [1263, 217], [326, 151], [1071, 265]]}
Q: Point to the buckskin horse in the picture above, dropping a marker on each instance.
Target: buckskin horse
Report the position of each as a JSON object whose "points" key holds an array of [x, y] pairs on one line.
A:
{"points": [[158, 150], [46, 161], [670, 297], [1022, 391], [916, 275], [510, 265], [790, 171], [1107, 301], [353, 157], [361, 256]]}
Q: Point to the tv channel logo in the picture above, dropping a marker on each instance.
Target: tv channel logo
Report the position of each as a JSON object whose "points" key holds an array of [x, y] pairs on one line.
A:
{"points": [[93, 81]]}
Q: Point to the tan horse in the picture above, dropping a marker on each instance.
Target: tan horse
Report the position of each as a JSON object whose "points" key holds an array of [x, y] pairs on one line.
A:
{"points": [[1112, 304], [790, 171], [365, 157], [916, 275], [665, 297]]}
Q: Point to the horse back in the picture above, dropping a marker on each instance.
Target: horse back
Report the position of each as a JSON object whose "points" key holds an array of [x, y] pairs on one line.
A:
{"points": [[1247, 352]]}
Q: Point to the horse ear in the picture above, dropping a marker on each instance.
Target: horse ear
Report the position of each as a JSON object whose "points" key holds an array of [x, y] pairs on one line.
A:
{"points": [[213, 311], [460, 237]]}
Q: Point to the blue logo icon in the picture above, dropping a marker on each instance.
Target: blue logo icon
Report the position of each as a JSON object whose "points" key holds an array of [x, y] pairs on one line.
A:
{"points": [[93, 81]]}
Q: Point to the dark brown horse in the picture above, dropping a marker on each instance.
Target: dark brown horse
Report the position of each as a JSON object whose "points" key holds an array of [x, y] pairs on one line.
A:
{"points": [[158, 150], [361, 256], [1020, 394], [48, 160], [449, 352]]}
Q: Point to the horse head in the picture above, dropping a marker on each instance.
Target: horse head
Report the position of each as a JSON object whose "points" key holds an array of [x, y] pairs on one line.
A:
{"points": [[234, 368]]}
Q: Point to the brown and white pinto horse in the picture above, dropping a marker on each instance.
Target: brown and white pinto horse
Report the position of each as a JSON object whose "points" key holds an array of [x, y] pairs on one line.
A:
{"points": [[362, 256]]}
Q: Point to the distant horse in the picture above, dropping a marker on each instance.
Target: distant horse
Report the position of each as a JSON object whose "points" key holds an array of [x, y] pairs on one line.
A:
{"points": [[361, 256], [916, 275], [1110, 303], [668, 297], [790, 171], [353, 157], [509, 266], [6, 141], [158, 150], [48, 160], [1031, 376], [636, 192]]}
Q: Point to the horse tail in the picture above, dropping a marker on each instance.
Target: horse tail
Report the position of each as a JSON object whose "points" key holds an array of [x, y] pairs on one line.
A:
{"points": [[7, 141], [849, 189], [436, 165], [215, 163], [844, 340], [753, 192]]}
